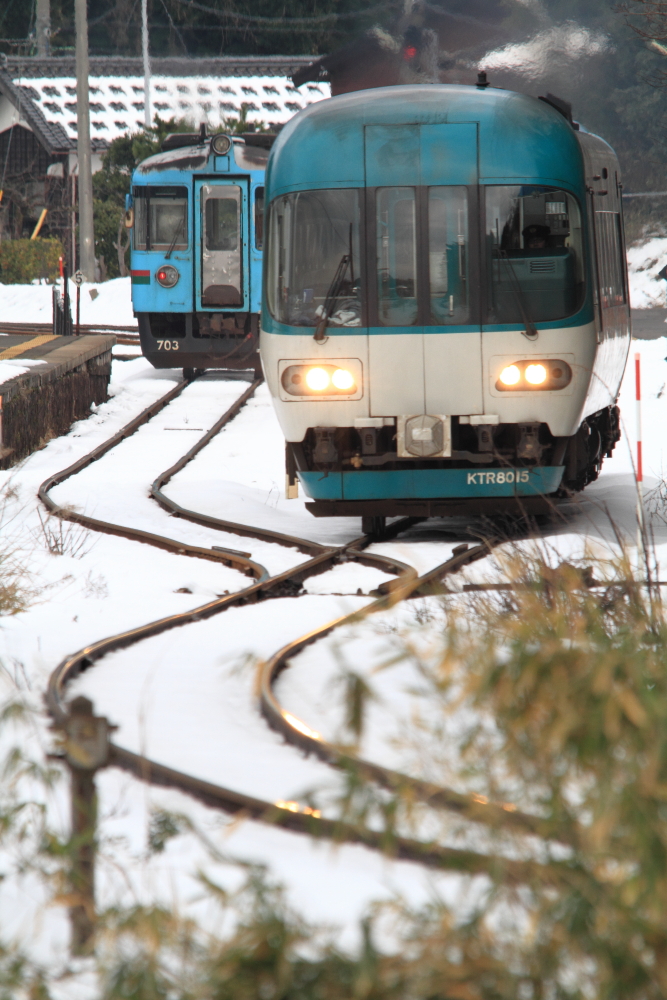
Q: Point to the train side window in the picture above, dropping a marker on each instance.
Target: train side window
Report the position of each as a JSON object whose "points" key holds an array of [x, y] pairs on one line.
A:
{"points": [[534, 246], [396, 256], [610, 254], [259, 217], [448, 255], [312, 262], [161, 218]]}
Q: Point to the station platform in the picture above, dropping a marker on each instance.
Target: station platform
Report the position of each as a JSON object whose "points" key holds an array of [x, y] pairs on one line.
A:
{"points": [[65, 376]]}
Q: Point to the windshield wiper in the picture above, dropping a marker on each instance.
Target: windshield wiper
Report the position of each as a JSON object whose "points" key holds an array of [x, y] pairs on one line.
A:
{"points": [[332, 295], [176, 235], [531, 331]]}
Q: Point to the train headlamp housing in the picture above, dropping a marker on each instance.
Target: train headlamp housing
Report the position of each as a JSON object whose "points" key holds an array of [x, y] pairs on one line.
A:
{"points": [[167, 276], [534, 374], [221, 144], [339, 379]]}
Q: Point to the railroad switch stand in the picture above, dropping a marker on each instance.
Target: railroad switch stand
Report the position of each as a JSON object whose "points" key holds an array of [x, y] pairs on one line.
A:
{"points": [[84, 745]]}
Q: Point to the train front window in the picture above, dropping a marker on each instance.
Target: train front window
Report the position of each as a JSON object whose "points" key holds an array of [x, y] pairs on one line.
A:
{"points": [[448, 255], [535, 258], [313, 258], [161, 218], [222, 221], [221, 265], [396, 256]]}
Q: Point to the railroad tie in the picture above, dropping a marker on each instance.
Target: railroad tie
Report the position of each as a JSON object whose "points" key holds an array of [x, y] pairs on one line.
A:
{"points": [[27, 345]]}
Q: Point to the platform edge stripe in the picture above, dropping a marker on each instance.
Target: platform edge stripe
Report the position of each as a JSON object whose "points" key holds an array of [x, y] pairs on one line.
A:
{"points": [[27, 345]]}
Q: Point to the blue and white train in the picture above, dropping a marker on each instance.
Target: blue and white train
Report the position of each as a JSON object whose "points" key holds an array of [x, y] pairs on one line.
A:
{"points": [[445, 320], [196, 210]]}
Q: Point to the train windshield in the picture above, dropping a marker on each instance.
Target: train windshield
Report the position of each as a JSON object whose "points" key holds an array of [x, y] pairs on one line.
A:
{"points": [[314, 246], [396, 247], [535, 254], [448, 255], [161, 218]]}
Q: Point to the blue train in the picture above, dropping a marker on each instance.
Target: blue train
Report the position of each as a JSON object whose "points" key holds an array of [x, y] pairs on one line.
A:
{"points": [[445, 321], [196, 210]]}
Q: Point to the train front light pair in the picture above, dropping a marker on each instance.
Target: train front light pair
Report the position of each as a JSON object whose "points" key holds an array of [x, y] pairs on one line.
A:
{"points": [[543, 374], [319, 380]]}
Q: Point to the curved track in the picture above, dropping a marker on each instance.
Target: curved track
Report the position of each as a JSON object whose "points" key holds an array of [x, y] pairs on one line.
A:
{"points": [[407, 584]]}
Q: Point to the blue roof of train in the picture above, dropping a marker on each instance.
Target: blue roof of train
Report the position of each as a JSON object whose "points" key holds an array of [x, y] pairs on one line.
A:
{"points": [[520, 138]]}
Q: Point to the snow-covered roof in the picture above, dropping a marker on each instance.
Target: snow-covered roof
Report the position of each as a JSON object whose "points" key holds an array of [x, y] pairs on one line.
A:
{"points": [[117, 103], [205, 90]]}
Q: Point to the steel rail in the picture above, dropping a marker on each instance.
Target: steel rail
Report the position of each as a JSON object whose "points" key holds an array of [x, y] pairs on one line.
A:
{"points": [[408, 584], [476, 808], [242, 563]]}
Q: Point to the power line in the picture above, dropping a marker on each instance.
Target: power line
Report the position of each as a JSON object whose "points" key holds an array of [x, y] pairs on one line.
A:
{"points": [[282, 23]]}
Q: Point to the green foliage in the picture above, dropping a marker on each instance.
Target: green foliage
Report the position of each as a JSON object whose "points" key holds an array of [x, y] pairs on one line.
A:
{"points": [[112, 183], [22, 261], [551, 698], [162, 828]]}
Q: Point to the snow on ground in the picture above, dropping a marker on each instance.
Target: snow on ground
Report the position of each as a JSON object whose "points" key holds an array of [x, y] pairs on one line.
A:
{"points": [[12, 368], [645, 260], [110, 302], [155, 691], [187, 697]]}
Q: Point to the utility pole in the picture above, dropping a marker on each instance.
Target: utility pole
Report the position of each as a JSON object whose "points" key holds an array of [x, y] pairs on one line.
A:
{"points": [[43, 27], [147, 63], [86, 234]]}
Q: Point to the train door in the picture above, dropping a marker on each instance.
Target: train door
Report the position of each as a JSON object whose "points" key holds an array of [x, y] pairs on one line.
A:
{"points": [[424, 337], [221, 232]]}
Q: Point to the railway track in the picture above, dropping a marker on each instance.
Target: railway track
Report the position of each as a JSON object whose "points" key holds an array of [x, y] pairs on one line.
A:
{"points": [[263, 586]]}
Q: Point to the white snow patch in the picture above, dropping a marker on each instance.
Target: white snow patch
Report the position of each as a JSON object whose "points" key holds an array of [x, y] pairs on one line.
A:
{"points": [[645, 260], [11, 367], [112, 303]]}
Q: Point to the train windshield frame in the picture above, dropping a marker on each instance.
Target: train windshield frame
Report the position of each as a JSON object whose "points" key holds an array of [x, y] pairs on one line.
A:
{"points": [[534, 253], [313, 236], [161, 218], [409, 256]]}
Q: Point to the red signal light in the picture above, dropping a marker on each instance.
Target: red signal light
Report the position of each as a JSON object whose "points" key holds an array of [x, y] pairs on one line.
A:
{"points": [[409, 52]]}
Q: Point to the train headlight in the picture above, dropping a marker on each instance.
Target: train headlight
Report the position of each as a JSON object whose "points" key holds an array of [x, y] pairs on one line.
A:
{"points": [[221, 144], [536, 374], [317, 379], [343, 380], [510, 375], [530, 375], [328, 379], [167, 276]]}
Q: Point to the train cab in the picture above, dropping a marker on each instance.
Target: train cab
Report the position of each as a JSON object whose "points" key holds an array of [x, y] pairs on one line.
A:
{"points": [[446, 319], [196, 210]]}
